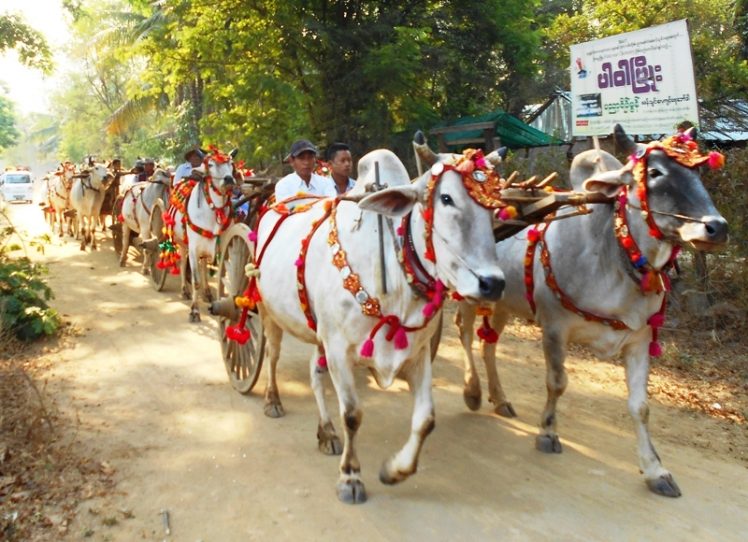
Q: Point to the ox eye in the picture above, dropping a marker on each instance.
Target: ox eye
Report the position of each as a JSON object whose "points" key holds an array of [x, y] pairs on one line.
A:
{"points": [[654, 173], [446, 199]]}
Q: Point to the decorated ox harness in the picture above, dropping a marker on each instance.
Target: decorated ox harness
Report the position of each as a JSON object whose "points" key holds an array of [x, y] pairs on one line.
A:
{"points": [[138, 197], [178, 201], [683, 150], [481, 183]]}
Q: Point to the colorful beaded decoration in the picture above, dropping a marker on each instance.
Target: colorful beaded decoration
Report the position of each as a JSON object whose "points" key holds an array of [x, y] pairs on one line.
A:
{"points": [[683, 150]]}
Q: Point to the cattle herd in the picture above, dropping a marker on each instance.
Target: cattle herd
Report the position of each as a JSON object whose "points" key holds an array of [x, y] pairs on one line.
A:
{"points": [[363, 278]]}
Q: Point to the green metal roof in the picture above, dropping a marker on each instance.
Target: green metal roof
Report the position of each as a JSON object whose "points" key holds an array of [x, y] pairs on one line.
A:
{"points": [[513, 133]]}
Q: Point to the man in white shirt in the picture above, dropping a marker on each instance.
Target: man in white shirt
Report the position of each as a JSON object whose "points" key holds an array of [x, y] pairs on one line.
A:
{"points": [[341, 165], [193, 158], [303, 180]]}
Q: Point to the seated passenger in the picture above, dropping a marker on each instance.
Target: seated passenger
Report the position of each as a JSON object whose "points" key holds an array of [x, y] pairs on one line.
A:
{"points": [[303, 180]]}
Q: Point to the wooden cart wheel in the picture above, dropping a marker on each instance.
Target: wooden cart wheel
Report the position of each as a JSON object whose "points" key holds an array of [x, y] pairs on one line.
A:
{"points": [[151, 249], [243, 361], [437, 336]]}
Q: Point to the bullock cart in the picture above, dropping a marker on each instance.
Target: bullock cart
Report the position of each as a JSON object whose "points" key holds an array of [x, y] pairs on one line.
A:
{"points": [[243, 361]]}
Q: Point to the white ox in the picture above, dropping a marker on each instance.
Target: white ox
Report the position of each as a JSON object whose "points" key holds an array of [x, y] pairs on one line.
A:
{"points": [[202, 218], [85, 199], [598, 276], [464, 260], [137, 203], [60, 185]]}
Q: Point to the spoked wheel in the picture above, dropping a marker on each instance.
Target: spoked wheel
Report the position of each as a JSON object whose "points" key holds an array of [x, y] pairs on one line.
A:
{"points": [[437, 337], [243, 361], [151, 246]]}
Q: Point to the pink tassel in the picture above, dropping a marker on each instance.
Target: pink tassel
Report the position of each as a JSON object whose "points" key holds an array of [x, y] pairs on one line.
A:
{"points": [[322, 362], [401, 339], [367, 349], [252, 236], [656, 320], [429, 309], [299, 262], [480, 163], [400, 231], [655, 349], [533, 235]]}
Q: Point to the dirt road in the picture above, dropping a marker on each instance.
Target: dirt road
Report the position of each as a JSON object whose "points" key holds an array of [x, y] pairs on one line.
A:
{"points": [[154, 402]]}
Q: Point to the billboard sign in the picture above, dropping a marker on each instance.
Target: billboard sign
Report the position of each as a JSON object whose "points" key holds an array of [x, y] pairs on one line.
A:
{"points": [[642, 80]]}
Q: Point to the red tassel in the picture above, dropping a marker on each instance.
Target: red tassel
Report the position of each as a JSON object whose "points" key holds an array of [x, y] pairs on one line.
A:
{"points": [[322, 362], [457, 297], [238, 334], [401, 339], [299, 262], [486, 333], [533, 235], [429, 255], [655, 349], [120, 217], [367, 349], [716, 160]]}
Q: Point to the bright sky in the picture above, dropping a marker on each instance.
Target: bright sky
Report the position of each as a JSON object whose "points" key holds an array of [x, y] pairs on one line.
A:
{"points": [[27, 87]]}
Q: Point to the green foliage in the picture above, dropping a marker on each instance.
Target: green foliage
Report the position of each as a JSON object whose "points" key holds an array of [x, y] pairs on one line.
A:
{"points": [[31, 46], [24, 312], [8, 133]]}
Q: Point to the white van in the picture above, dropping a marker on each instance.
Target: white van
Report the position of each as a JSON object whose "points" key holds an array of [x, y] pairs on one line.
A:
{"points": [[16, 185]]}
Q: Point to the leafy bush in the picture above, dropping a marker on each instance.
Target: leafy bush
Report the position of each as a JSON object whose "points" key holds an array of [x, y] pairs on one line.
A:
{"points": [[24, 312]]}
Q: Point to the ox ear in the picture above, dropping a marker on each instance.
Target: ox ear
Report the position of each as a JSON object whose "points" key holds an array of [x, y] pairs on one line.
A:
{"points": [[395, 202], [233, 153], [608, 183]]}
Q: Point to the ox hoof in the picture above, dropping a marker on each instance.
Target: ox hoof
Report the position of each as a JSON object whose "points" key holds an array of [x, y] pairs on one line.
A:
{"points": [[146, 271], [351, 491], [548, 444], [186, 294], [664, 485], [274, 410], [505, 410], [194, 317], [327, 441], [390, 476], [472, 399], [122, 264]]}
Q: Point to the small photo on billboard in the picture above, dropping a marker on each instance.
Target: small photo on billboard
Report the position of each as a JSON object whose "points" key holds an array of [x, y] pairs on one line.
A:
{"points": [[589, 105]]}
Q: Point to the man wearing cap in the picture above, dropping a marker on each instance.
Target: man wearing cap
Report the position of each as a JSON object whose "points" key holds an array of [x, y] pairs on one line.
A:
{"points": [[341, 164], [193, 158], [303, 180]]}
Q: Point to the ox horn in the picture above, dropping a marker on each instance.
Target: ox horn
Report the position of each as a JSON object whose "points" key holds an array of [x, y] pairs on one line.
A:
{"points": [[424, 155], [623, 141], [90, 161], [233, 153], [497, 157]]}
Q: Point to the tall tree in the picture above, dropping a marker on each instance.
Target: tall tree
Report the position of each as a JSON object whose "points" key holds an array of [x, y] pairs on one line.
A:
{"points": [[31, 46]]}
